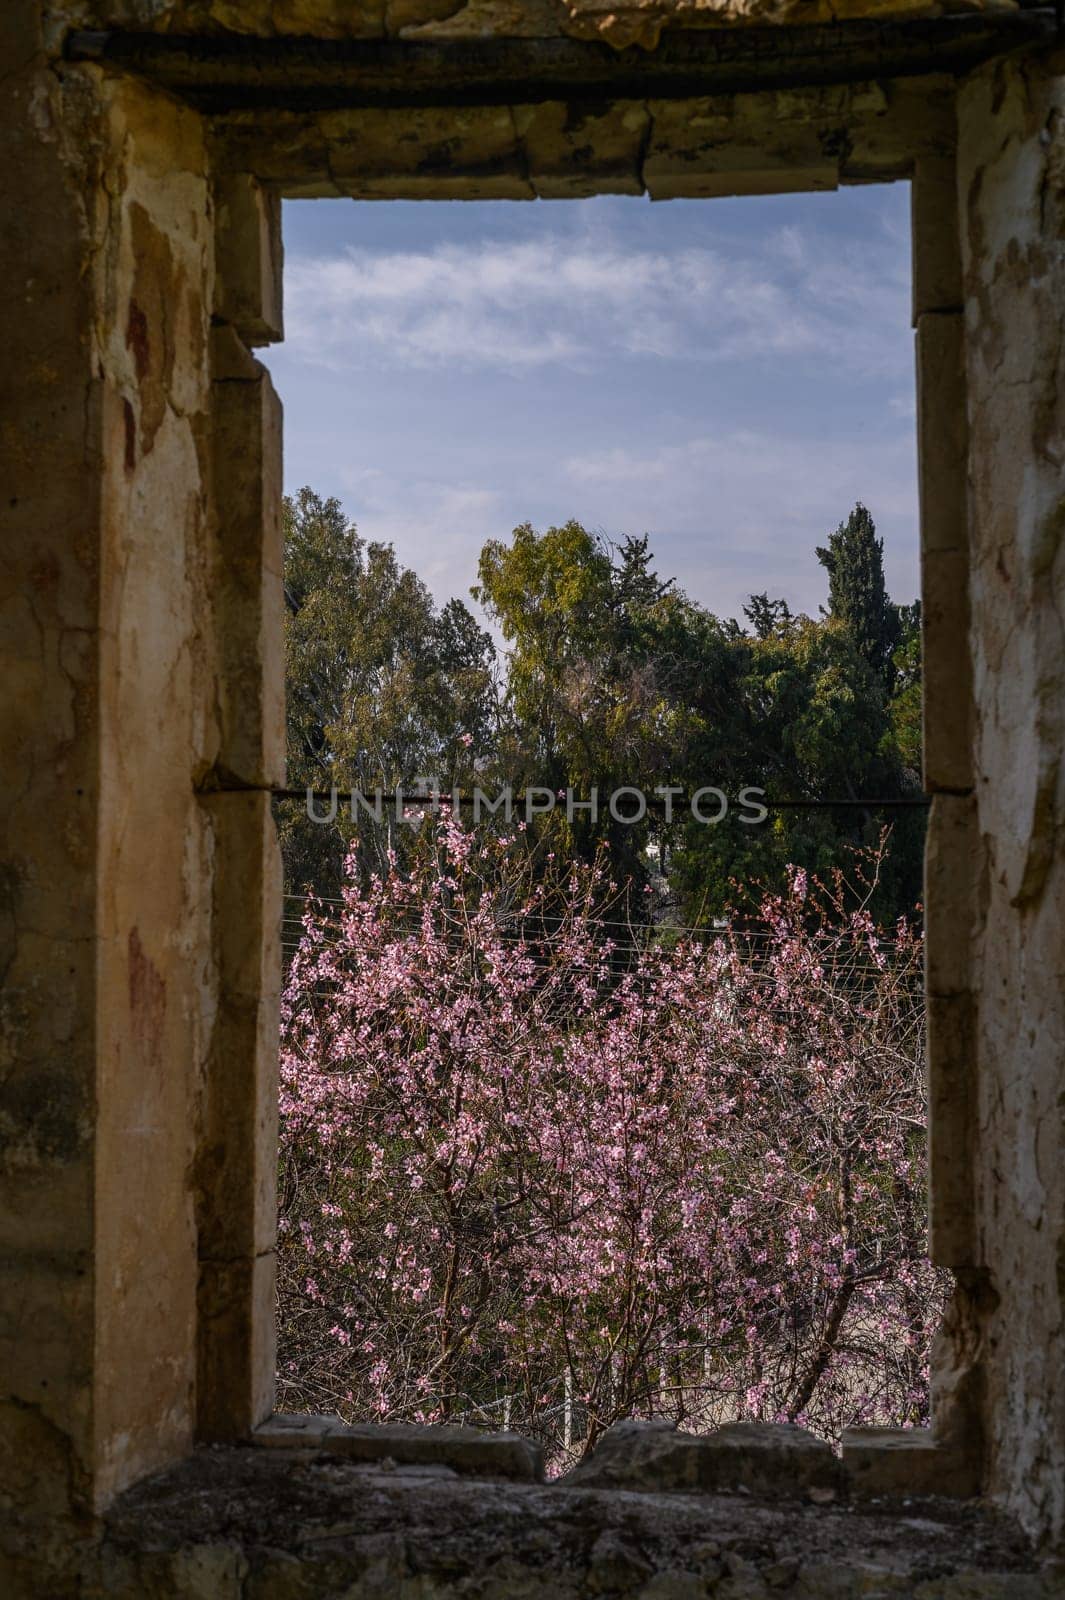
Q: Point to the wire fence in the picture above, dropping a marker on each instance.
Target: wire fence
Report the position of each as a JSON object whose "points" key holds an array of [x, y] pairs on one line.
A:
{"points": [[540, 945]]}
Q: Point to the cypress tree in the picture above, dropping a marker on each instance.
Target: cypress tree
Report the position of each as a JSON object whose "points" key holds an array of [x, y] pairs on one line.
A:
{"points": [[857, 595]]}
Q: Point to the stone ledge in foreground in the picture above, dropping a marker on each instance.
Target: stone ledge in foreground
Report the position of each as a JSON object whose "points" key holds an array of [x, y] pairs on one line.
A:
{"points": [[764, 1458], [244, 1523], [467, 1450]]}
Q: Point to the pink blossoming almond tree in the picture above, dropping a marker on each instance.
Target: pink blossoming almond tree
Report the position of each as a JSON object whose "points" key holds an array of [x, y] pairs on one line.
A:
{"points": [[533, 1176]]}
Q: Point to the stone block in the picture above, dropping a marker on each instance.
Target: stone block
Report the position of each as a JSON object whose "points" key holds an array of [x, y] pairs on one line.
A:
{"points": [[953, 855], [947, 708], [889, 124], [457, 153], [235, 1170], [942, 433], [291, 1430], [466, 1450], [248, 258], [935, 236], [236, 1164], [758, 1457], [668, 178], [572, 151], [248, 563], [237, 1347], [246, 908], [717, 147], [952, 868], [942, 480], [616, 1565], [286, 149], [676, 1585], [952, 1090], [900, 1462], [231, 360]]}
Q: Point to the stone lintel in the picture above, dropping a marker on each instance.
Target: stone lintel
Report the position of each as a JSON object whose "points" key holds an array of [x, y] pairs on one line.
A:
{"points": [[754, 143]]}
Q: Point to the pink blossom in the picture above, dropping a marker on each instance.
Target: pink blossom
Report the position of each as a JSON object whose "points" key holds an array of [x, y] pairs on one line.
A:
{"points": [[691, 1179]]}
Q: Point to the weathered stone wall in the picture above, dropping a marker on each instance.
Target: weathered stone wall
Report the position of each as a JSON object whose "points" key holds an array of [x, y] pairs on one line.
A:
{"points": [[50, 761], [290, 1525], [109, 720], [621, 22], [1012, 197], [158, 732]]}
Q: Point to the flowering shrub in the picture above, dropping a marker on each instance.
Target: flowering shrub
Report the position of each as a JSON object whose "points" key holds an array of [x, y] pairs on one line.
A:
{"points": [[530, 1175]]}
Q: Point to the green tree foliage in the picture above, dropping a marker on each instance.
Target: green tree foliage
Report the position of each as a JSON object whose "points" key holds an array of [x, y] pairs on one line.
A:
{"points": [[382, 688], [906, 690], [612, 677], [550, 595], [767, 616], [857, 594], [805, 720], [596, 643], [821, 710]]}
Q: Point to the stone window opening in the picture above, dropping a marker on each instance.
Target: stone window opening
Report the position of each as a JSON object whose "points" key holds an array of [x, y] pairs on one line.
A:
{"points": [[484, 1404], [144, 501], [250, 210]]}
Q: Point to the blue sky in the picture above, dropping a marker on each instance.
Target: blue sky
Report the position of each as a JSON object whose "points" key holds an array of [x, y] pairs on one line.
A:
{"points": [[728, 376]]}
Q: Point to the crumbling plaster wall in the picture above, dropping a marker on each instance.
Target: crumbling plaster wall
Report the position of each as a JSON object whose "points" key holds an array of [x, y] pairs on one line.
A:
{"points": [[109, 719], [49, 759], [158, 732], [1012, 200]]}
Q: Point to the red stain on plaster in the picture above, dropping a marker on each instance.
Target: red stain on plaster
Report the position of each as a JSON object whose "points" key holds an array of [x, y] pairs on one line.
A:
{"points": [[137, 340], [44, 574], [147, 998], [131, 435]]}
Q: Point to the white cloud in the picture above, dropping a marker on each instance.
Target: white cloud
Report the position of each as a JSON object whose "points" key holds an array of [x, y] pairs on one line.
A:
{"points": [[579, 302], [437, 526], [727, 514], [743, 510], [756, 472], [783, 393]]}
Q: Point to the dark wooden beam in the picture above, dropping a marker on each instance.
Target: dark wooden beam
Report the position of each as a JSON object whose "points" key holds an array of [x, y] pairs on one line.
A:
{"points": [[232, 72]]}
